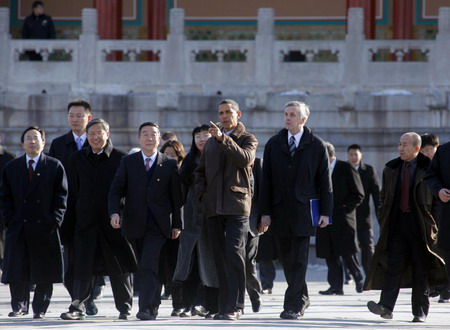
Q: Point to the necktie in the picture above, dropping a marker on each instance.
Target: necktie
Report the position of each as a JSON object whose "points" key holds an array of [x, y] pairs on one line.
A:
{"points": [[30, 169], [404, 194], [79, 144], [147, 163], [292, 146]]}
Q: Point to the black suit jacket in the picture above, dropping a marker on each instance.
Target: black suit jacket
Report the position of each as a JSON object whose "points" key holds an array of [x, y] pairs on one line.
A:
{"points": [[162, 195], [5, 157], [371, 187], [35, 209], [340, 237], [62, 148], [288, 184], [438, 177], [255, 214]]}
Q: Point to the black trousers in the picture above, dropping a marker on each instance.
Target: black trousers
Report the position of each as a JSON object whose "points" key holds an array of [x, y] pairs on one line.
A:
{"points": [[294, 257], [228, 236], [149, 251], [366, 244], [252, 283], [20, 296], [405, 243], [335, 266], [69, 264]]}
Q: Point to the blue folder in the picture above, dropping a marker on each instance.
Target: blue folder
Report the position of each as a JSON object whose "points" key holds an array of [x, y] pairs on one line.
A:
{"points": [[314, 207]]}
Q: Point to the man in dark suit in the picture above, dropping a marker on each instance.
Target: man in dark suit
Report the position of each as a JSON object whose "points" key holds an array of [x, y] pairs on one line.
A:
{"points": [[252, 283], [222, 182], [337, 243], [5, 157], [62, 147], [438, 178], [150, 184], [295, 171], [369, 181], [33, 195], [406, 255], [99, 249]]}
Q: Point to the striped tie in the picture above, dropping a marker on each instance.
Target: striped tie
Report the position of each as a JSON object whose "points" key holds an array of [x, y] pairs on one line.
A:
{"points": [[292, 146]]}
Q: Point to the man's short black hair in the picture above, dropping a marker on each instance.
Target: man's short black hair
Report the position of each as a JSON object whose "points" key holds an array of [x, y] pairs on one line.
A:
{"points": [[80, 103], [37, 4], [40, 130], [354, 147], [233, 103], [429, 139], [147, 123], [169, 135], [100, 121]]}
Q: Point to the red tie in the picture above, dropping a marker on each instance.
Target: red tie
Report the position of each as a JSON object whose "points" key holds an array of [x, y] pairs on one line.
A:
{"points": [[404, 194], [30, 169]]}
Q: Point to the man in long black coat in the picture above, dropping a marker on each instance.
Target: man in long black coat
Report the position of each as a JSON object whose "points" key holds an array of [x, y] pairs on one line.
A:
{"points": [[150, 183], [337, 243], [295, 170], [33, 195], [99, 249], [438, 178], [5, 157]]}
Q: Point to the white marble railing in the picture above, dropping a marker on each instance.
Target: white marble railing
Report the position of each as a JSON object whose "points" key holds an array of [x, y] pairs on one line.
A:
{"points": [[238, 65]]}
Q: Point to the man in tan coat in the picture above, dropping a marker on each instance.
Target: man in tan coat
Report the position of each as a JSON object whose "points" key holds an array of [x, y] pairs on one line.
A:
{"points": [[405, 255], [223, 185]]}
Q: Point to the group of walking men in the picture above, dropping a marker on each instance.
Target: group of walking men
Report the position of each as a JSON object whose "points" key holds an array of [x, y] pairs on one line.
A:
{"points": [[114, 213]]}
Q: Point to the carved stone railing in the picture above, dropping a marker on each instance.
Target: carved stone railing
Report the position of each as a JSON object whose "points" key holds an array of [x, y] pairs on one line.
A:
{"points": [[249, 66]]}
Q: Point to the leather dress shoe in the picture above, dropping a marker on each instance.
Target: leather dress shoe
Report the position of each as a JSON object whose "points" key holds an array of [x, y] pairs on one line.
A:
{"points": [[200, 310], [39, 316], [17, 313], [175, 312], [73, 315], [332, 292], [166, 296], [91, 308], [267, 291], [289, 315], [359, 286], [417, 319], [145, 316], [231, 316], [124, 316], [305, 306], [218, 316], [443, 301], [98, 292], [256, 305], [209, 315], [379, 309]]}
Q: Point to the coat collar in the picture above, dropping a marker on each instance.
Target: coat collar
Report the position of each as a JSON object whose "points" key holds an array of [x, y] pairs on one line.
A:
{"points": [[306, 140], [238, 131], [422, 162], [107, 150]]}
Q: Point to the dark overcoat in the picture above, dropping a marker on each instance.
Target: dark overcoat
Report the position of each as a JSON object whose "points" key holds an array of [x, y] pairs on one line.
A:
{"points": [[438, 177], [5, 157], [62, 148], [340, 237], [162, 195], [99, 248], [288, 184], [371, 188], [194, 240], [425, 208], [32, 213]]}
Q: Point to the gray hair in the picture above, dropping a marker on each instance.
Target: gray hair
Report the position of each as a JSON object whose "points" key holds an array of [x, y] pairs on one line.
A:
{"points": [[303, 109], [330, 149], [102, 122]]}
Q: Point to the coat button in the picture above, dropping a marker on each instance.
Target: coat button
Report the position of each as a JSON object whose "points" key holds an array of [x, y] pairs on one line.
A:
{"points": [[24, 220]]}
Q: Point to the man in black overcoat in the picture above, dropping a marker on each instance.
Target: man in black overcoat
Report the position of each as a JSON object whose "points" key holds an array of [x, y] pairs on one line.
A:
{"points": [[33, 195], [371, 187], [337, 243], [150, 183], [295, 170], [99, 249]]}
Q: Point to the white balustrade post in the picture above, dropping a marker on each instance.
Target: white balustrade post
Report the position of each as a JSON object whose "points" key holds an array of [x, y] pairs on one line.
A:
{"points": [[5, 43], [173, 57], [353, 57], [264, 47], [440, 61], [87, 50]]}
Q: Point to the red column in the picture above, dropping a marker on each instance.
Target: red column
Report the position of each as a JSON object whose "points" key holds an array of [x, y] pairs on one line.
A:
{"points": [[110, 22], [157, 22], [369, 7], [403, 19]]}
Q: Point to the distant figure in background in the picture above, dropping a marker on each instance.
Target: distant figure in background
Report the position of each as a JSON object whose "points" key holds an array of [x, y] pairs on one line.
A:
{"points": [[363, 219], [168, 136], [5, 156], [430, 143], [337, 243], [37, 26]]}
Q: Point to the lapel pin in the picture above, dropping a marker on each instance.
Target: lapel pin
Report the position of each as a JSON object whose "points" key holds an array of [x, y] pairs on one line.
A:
{"points": [[38, 174], [157, 179]]}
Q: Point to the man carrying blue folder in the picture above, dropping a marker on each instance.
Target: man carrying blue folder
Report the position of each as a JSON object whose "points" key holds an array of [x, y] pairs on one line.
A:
{"points": [[295, 171]]}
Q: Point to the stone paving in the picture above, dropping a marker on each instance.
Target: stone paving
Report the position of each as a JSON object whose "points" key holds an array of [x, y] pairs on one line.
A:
{"points": [[348, 311]]}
